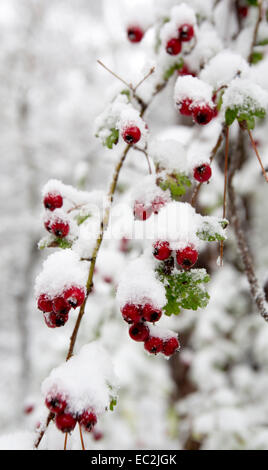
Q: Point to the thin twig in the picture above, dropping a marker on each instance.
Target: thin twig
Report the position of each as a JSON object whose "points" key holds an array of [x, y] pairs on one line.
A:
{"points": [[115, 74], [145, 152], [212, 155], [257, 154], [151, 71], [256, 291], [225, 186], [65, 440], [81, 437], [255, 32]]}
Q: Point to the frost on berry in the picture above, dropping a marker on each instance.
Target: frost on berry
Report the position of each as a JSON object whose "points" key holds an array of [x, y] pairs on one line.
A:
{"points": [[154, 345], [131, 134], [65, 422], [186, 32], [87, 420], [187, 257], [53, 201], [173, 46], [202, 173], [56, 403], [161, 250], [131, 313], [44, 303], [191, 94], [203, 113], [170, 346], [150, 313], [74, 296]]}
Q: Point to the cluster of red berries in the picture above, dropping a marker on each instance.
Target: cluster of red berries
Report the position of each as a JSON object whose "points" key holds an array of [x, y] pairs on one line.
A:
{"points": [[131, 134], [186, 258], [185, 34], [56, 309], [65, 420], [137, 316], [201, 113], [60, 228], [135, 33], [143, 212]]}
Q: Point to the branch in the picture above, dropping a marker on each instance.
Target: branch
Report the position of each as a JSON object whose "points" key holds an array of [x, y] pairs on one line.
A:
{"points": [[256, 291], [255, 33]]}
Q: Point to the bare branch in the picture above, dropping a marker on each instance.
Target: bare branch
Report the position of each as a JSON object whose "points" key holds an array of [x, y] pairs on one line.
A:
{"points": [[255, 32]]}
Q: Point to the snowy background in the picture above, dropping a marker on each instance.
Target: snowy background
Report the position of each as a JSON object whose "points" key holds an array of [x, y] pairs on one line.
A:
{"points": [[214, 393]]}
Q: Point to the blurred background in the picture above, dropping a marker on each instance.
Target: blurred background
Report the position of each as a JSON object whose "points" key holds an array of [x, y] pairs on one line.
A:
{"points": [[213, 395]]}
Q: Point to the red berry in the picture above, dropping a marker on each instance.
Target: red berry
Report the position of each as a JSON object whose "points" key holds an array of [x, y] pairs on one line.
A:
{"points": [[243, 11], [151, 314], [140, 212], [60, 229], [185, 107], [60, 305], [55, 320], [154, 345], [47, 225], [202, 173], [28, 409], [162, 250], [53, 201], [173, 46], [135, 33], [131, 135], [139, 332], [157, 203], [88, 420], [131, 313], [44, 303], [56, 404], [187, 257], [65, 422], [186, 71], [171, 345], [74, 296], [186, 32], [203, 114]]}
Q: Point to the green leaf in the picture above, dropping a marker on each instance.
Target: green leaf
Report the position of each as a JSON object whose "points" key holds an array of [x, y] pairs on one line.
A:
{"points": [[113, 403], [230, 115], [169, 72], [177, 184], [126, 92], [112, 139], [211, 229], [63, 243], [184, 290], [263, 42], [256, 57], [81, 218], [253, 3]]}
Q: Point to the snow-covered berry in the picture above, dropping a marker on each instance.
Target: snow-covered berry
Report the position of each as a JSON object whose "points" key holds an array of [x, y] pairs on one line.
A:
{"points": [[186, 32], [131, 313], [202, 173], [60, 229], [139, 332], [44, 303], [131, 134], [74, 296], [153, 345], [65, 422], [203, 114], [87, 420], [135, 33], [55, 320], [150, 313], [170, 346], [173, 46], [185, 71], [141, 212], [56, 404], [53, 201], [157, 204], [185, 107], [187, 257], [162, 250]]}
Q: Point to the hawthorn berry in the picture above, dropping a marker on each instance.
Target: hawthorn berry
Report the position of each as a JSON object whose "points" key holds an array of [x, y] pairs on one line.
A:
{"points": [[131, 313], [186, 32], [56, 404], [74, 296], [135, 34], [202, 173], [55, 320], [65, 422], [203, 114], [87, 420], [131, 134], [60, 229], [47, 225], [157, 203], [162, 250], [53, 201], [153, 345], [44, 303], [185, 107], [170, 346], [173, 46], [141, 212], [187, 257], [186, 71], [139, 332], [151, 314], [60, 305], [243, 11]]}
